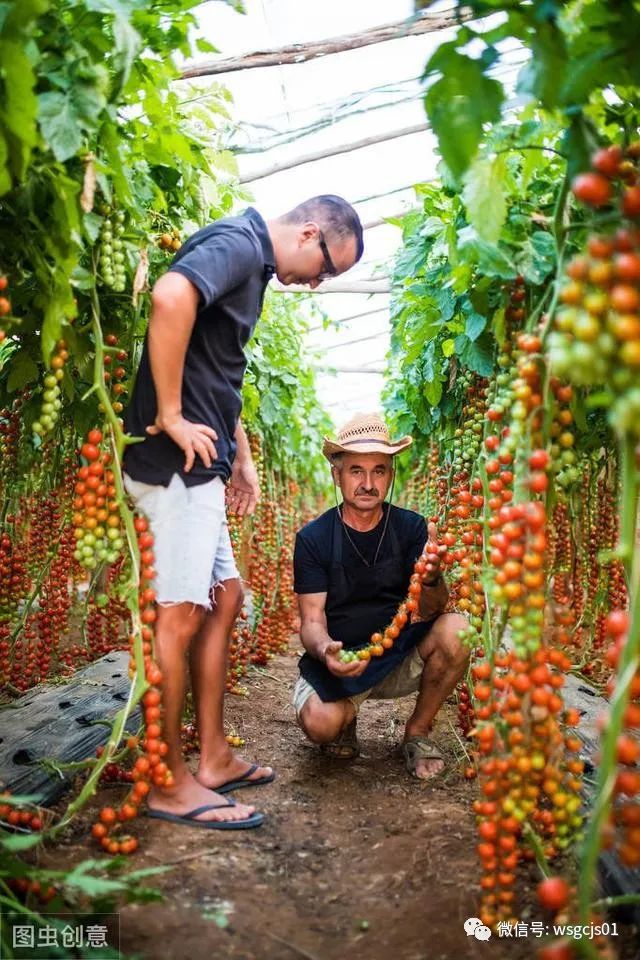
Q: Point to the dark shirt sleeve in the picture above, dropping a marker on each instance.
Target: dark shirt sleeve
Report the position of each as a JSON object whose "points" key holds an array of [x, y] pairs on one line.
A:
{"points": [[219, 264], [310, 574]]}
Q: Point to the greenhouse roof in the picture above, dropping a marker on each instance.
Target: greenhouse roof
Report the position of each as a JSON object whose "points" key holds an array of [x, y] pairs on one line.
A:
{"points": [[288, 112]]}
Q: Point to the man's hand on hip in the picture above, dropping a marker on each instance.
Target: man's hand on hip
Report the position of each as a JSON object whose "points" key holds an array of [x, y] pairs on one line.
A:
{"points": [[192, 438], [337, 667], [243, 491]]}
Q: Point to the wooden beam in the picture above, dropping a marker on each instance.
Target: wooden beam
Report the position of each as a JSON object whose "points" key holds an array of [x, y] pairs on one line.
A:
{"points": [[337, 286], [301, 52], [380, 221], [378, 370], [355, 316], [334, 151], [350, 343]]}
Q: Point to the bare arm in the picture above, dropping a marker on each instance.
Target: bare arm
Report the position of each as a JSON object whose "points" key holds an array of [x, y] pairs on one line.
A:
{"points": [[434, 594], [174, 304], [316, 640], [433, 599]]}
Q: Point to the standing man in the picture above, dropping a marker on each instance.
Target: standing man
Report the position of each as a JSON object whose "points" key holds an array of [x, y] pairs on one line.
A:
{"points": [[186, 403], [353, 565]]}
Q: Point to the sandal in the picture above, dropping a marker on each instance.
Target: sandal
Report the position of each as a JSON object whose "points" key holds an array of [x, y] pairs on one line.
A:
{"points": [[345, 746], [421, 748]]}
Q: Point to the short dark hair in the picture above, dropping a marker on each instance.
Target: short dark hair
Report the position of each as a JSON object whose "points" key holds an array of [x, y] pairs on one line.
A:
{"points": [[335, 216]]}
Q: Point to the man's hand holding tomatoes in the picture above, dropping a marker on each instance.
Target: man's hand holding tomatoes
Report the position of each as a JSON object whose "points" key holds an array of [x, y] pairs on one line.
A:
{"points": [[339, 669], [433, 554]]}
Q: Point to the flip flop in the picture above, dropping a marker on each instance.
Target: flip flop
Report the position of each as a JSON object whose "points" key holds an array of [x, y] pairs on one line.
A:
{"points": [[345, 746], [421, 748], [190, 818], [244, 781]]}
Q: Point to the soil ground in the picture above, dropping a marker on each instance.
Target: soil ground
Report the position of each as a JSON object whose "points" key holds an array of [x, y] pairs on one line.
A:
{"points": [[346, 845]]}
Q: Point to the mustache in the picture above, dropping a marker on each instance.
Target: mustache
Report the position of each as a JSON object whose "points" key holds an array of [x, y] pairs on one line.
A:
{"points": [[371, 493]]}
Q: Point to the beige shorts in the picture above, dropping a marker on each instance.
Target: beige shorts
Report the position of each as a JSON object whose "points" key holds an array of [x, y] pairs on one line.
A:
{"points": [[402, 681]]}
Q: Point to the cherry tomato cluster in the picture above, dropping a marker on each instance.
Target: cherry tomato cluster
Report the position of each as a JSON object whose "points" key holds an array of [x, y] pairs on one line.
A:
{"points": [[96, 518], [623, 826], [150, 766], [51, 402], [518, 551], [597, 335], [380, 642], [240, 650], [10, 423], [115, 373], [170, 241], [112, 251], [528, 767], [19, 817]]}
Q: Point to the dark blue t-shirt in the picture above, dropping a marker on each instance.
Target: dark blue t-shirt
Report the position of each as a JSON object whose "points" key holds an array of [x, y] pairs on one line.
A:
{"points": [[230, 263]]}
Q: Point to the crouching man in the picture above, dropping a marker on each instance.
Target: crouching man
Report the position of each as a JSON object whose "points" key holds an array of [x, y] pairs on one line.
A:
{"points": [[352, 570]]}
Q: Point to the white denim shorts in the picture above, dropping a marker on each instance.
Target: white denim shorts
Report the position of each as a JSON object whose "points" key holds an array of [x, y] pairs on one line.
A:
{"points": [[192, 548]]}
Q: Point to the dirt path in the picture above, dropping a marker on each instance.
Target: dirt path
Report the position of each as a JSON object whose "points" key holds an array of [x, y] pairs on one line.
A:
{"points": [[346, 845]]}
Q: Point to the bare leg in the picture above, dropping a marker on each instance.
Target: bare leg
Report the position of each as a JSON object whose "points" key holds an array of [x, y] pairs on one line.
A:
{"points": [[323, 722], [445, 661], [208, 657], [175, 628]]}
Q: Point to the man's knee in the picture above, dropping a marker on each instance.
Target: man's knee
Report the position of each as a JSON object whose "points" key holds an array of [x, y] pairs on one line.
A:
{"points": [[179, 623], [231, 593], [322, 722], [447, 636]]}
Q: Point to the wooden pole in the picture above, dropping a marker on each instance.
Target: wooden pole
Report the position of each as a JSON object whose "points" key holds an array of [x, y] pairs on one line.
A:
{"points": [[301, 52], [377, 370], [333, 151], [337, 286]]}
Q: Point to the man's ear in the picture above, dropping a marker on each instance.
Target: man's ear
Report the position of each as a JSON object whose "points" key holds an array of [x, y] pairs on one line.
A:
{"points": [[308, 230]]}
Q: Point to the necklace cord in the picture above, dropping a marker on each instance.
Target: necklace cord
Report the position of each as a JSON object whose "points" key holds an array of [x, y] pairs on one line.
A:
{"points": [[384, 529]]}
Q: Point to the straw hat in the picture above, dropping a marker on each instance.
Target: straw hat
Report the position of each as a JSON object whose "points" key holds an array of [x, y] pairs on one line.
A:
{"points": [[364, 433]]}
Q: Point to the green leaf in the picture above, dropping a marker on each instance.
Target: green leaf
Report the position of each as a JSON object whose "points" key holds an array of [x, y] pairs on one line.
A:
{"points": [[476, 355], [64, 117], [18, 106], [491, 260], [448, 347], [484, 197], [433, 392], [20, 841], [205, 46], [543, 74], [82, 279], [22, 370], [458, 105], [578, 143], [499, 326], [585, 75], [269, 410], [446, 301], [537, 257], [475, 324], [92, 223]]}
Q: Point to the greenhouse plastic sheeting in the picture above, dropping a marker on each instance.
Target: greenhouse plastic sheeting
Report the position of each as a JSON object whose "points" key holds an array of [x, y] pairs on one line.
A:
{"points": [[63, 722]]}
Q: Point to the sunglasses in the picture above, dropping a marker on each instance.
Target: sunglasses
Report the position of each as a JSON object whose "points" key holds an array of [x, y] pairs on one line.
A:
{"points": [[329, 266]]}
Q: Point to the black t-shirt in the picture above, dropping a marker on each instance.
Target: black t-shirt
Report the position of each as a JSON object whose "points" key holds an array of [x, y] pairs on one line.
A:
{"points": [[314, 548], [230, 263]]}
